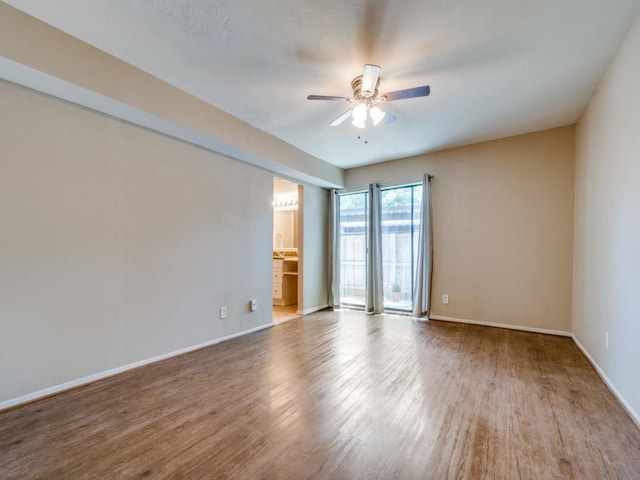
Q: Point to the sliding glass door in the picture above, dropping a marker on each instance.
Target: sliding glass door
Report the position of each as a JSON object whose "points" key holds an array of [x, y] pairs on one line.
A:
{"points": [[400, 215]]}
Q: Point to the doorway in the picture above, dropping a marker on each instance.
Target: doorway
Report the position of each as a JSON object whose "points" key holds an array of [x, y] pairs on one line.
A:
{"points": [[286, 250]]}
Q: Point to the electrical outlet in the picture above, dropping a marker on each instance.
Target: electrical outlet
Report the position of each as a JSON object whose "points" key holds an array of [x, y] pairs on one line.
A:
{"points": [[223, 312], [606, 340], [445, 299], [253, 304]]}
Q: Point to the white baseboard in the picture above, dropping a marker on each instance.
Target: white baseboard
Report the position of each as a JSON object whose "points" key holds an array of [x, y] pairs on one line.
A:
{"points": [[114, 371], [312, 309], [501, 325], [632, 413]]}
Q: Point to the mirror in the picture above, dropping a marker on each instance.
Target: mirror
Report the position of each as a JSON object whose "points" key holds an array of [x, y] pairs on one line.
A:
{"points": [[285, 214], [285, 229]]}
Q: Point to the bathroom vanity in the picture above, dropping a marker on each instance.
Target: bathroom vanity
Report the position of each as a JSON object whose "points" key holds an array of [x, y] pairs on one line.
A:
{"points": [[285, 277]]}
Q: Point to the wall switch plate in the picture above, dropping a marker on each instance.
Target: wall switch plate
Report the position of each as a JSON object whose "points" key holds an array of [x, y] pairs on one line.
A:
{"points": [[253, 304], [223, 312], [445, 299]]}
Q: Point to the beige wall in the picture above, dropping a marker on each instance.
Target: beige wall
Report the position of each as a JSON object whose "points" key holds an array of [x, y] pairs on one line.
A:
{"points": [[503, 226], [607, 224], [118, 244], [313, 281]]}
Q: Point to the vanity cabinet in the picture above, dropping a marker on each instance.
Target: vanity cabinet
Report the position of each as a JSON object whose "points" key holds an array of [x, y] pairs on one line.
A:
{"points": [[285, 281]]}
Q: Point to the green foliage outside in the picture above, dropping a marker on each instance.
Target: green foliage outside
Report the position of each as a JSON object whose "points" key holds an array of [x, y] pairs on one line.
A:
{"points": [[393, 197]]}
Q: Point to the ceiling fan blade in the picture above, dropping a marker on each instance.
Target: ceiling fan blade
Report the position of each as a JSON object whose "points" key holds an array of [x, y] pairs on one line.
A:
{"points": [[408, 93], [326, 97], [341, 118], [389, 118], [370, 76]]}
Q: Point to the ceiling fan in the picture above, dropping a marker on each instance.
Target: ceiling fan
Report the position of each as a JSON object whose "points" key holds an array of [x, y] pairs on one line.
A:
{"points": [[366, 99]]}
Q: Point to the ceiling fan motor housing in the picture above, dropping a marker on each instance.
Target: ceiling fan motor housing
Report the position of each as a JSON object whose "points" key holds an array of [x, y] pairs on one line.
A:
{"points": [[363, 96]]}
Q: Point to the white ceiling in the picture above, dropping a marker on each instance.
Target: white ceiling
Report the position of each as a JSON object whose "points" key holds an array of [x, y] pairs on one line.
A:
{"points": [[496, 67]]}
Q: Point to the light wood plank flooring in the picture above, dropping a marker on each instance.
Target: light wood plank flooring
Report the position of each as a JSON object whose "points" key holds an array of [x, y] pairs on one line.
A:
{"points": [[337, 396], [284, 314]]}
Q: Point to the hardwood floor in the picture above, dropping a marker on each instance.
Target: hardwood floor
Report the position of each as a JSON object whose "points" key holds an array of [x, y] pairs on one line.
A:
{"points": [[337, 396]]}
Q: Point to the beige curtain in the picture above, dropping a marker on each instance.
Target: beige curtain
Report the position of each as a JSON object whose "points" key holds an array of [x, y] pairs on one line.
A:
{"points": [[375, 298], [424, 267], [334, 249]]}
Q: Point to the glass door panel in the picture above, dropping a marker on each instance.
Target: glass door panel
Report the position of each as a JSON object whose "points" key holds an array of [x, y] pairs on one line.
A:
{"points": [[400, 210], [353, 248]]}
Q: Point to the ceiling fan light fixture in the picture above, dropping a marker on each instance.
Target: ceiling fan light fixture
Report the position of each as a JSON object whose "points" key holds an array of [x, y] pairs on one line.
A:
{"points": [[376, 115], [359, 114], [359, 123]]}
